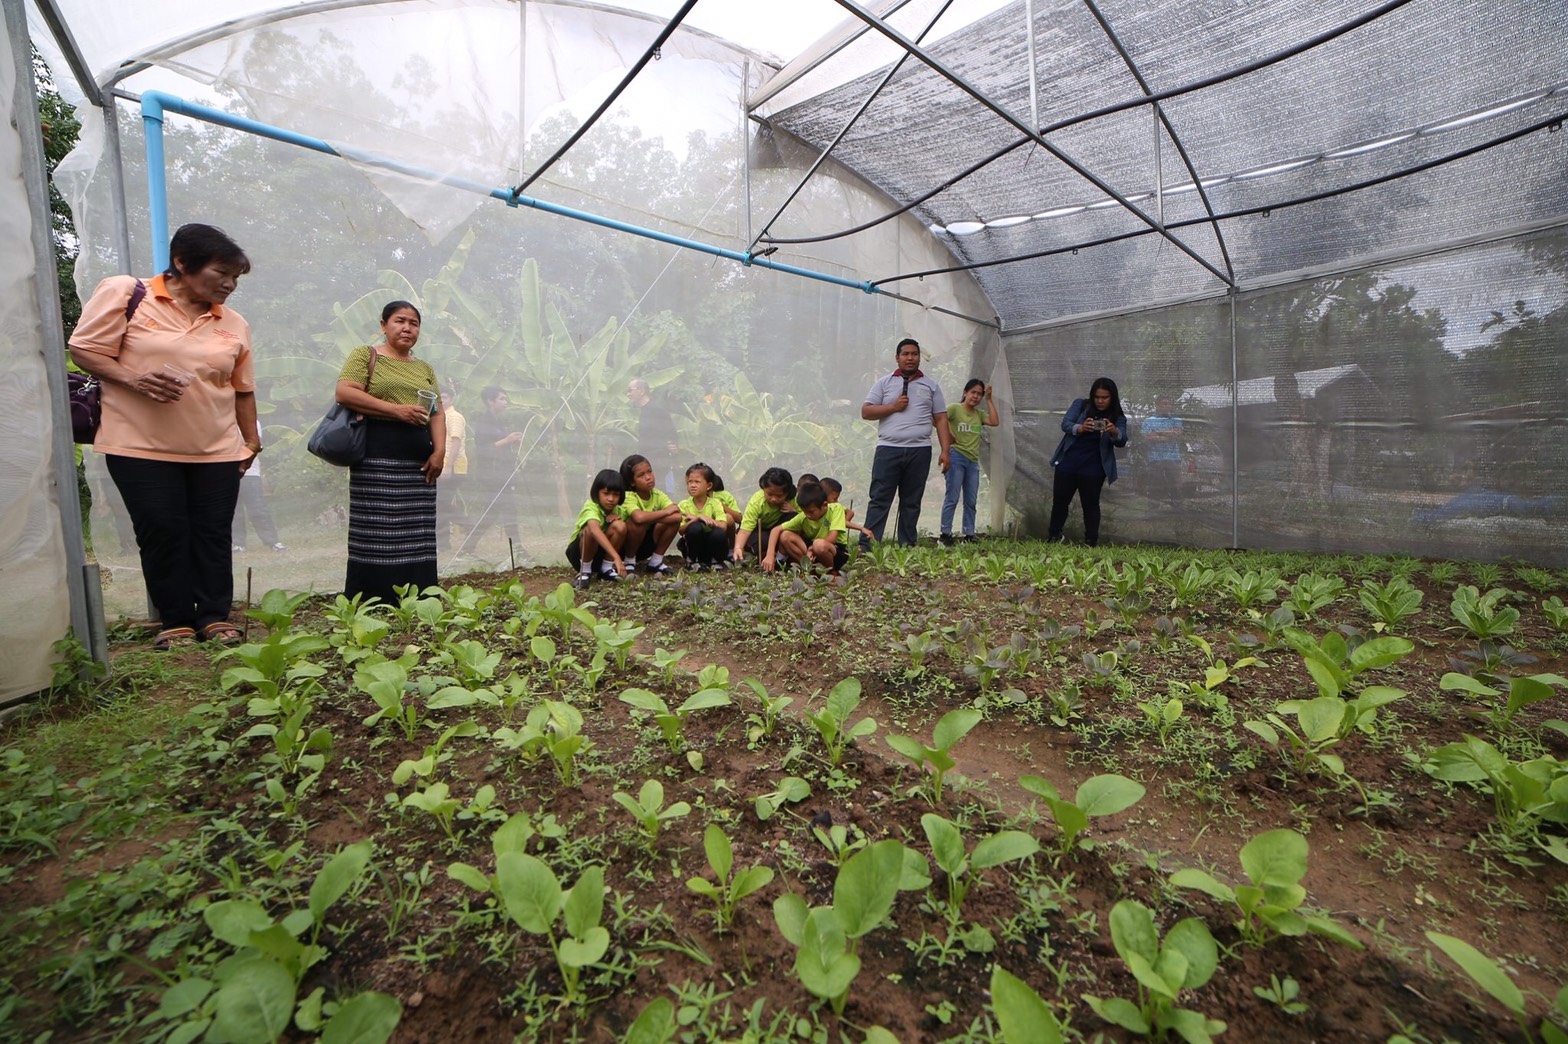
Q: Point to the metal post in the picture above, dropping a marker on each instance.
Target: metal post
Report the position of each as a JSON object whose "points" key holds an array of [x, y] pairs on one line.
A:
{"points": [[110, 109], [1034, 71], [157, 184], [745, 148], [1235, 431], [51, 332]]}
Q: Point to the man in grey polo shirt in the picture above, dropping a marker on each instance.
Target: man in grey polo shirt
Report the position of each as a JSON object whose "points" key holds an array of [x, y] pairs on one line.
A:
{"points": [[906, 405]]}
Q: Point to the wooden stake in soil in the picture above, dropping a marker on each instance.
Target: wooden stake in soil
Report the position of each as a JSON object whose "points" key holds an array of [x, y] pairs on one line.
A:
{"points": [[511, 551], [245, 621]]}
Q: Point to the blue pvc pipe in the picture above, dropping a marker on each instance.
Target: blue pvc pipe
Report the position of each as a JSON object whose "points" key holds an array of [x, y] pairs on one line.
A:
{"points": [[156, 103]]}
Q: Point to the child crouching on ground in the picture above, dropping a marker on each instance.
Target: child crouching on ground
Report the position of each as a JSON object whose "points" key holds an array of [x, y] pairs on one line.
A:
{"points": [[835, 488], [773, 502], [600, 531], [817, 534], [705, 527], [651, 516]]}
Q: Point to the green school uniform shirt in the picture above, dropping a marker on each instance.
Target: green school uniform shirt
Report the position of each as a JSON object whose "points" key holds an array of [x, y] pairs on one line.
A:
{"points": [[760, 513], [712, 508], [965, 424], [831, 522], [591, 512], [658, 500], [725, 497]]}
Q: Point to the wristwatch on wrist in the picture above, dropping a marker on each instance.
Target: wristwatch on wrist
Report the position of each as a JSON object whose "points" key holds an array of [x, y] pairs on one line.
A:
{"points": [[254, 447]]}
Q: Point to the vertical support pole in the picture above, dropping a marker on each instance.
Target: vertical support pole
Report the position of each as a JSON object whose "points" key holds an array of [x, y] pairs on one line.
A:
{"points": [[745, 146], [1034, 74], [522, 88], [110, 108], [51, 332], [1159, 169], [1235, 431], [157, 183]]}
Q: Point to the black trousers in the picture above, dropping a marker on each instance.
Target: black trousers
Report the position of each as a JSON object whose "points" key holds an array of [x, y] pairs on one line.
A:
{"points": [[182, 514], [895, 469], [1088, 489], [704, 543]]}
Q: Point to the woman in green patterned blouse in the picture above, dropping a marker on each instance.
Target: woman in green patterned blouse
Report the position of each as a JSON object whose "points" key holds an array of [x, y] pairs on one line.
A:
{"points": [[392, 492]]}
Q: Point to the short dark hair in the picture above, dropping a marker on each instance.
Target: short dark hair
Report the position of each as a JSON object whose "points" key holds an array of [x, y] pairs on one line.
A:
{"points": [[807, 477], [832, 485], [907, 340], [490, 392], [974, 382], [629, 467], [194, 247], [608, 478], [810, 494], [393, 307], [777, 476]]}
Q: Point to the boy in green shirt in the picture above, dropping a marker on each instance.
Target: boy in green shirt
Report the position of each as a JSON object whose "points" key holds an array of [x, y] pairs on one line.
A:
{"points": [[599, 532], [818, 533]]}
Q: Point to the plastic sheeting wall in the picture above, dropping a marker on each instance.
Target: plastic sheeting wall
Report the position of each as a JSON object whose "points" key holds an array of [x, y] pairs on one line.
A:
{"points": [[759, 368], [32, 550], [1415, 408]]}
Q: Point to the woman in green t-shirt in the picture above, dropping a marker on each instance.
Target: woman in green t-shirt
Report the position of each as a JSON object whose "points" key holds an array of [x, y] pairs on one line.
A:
{"points": [[965, 420]]}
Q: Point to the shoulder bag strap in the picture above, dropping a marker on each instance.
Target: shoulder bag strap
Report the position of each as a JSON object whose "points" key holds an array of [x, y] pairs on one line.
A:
{"points": [[135, 301]]}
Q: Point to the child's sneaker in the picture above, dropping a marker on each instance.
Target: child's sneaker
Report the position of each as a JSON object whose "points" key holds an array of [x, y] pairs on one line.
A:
{"points": [[582, 581], [946, 539]]}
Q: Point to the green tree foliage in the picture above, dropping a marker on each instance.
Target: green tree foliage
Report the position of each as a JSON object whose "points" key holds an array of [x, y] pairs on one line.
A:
{"points": [[60, 131]]}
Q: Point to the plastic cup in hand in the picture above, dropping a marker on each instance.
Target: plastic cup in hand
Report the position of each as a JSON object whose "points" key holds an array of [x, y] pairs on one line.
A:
{"points": [[184, 378], [427, 399]]}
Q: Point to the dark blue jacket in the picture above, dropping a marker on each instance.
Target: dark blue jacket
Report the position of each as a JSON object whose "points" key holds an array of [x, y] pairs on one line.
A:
{"points": [[1074, 416]]}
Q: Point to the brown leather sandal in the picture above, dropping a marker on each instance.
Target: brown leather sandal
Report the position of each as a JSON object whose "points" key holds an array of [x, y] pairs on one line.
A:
{"points": [[173, 638], [222, 632]]}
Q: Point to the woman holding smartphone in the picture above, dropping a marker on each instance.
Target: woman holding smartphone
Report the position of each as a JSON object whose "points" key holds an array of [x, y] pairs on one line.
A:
{"points": [[1086, 457]]}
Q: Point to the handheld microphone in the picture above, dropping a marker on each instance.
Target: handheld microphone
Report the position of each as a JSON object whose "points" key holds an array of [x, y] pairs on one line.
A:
{"points": [[906, 387]]}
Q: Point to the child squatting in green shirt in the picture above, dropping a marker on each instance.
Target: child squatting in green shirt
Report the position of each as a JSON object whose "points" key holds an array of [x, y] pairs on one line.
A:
{"points": [[652, 518], [705, 523], [819, 533], [600, 532]]}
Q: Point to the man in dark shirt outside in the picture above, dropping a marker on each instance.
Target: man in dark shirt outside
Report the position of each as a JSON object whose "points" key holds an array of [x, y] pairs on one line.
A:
{"points": [[656, 438]]}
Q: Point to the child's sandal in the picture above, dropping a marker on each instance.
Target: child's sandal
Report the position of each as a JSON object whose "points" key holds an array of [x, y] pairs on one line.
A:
{"points": [[173, 638]]}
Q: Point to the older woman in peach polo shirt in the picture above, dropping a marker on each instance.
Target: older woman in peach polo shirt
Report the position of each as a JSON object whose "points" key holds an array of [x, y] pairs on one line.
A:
{"points": [[179, 422]]}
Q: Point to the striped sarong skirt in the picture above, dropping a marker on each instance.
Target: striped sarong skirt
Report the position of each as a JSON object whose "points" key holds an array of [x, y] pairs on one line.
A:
{"points": [[391, 514]]}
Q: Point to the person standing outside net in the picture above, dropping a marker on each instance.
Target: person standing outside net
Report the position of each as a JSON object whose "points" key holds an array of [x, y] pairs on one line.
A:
{"points": [[906, 405], [656, 438]]}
